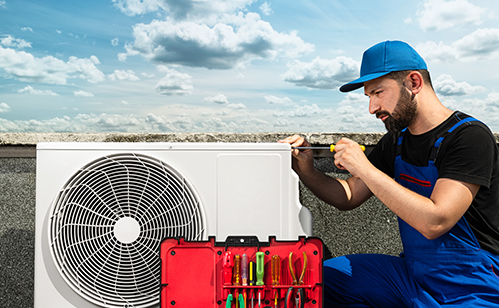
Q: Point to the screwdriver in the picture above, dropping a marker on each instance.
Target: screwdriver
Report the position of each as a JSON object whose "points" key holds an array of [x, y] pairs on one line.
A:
{"points": [[259, 274], [237, 275], [276, 274], [244, 274], [252, 279], [244, 269], [228, 262], [276, 270], [330, 148], [237, 270]]}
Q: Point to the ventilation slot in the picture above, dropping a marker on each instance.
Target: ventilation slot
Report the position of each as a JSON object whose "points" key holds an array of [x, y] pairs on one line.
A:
{"points": [[107, 222]]}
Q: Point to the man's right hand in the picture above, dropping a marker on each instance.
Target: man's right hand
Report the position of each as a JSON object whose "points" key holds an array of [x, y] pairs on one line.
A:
{"points": [[303, 160]]}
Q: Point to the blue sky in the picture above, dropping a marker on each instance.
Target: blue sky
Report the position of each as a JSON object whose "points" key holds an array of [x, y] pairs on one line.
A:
{"points": [[230, 65]]}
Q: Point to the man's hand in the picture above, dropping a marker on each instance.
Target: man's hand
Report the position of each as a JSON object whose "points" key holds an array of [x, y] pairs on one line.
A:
{"points": [[302, 160], [349, 156]]}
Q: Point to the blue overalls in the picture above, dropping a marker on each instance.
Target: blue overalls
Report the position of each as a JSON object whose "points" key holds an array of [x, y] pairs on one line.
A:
{"points": [[450, 271]]}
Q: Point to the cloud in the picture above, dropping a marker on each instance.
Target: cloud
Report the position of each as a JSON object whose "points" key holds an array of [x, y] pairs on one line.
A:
{"points": [[482, 44], [123, 75], [266, 9], [217, 99], [235, 42], [122, 56], [305, 111], [83, 94], [2, 4], [355, 99], [441, 14], [10, 41], [115, 41], [4, 107], [26, 67], [221, 99], [486, 110], [447, 86], [284, 101], [322, 73], [27, 29], [175, 83], [30, 90], [182, 10]]}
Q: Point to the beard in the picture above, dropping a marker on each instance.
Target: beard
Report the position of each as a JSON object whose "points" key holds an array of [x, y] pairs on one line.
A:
{"points": [[404, 113]]}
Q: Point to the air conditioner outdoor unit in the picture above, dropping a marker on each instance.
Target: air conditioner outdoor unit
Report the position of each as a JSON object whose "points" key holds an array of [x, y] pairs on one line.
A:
{"points": [[103, 208]]}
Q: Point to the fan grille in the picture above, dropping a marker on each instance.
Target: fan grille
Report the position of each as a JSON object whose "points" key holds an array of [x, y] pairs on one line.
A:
{"points": [[107, 223]]}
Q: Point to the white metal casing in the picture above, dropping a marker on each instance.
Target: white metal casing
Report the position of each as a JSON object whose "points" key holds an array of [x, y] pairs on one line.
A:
{"points": [[243, 189]]}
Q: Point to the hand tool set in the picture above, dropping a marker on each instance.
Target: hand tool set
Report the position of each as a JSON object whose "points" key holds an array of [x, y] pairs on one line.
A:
{"points": [[241, 272]]}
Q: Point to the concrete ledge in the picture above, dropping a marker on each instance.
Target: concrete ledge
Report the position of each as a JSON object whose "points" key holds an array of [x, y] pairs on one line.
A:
{"points": [[30, 139]]}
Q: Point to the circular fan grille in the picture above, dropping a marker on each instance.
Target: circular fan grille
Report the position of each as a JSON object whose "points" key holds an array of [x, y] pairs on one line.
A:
{"points": [[107, 223]]}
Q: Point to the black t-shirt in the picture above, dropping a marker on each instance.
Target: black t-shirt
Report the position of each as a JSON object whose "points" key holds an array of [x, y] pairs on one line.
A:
{"points": [[468, 154]]}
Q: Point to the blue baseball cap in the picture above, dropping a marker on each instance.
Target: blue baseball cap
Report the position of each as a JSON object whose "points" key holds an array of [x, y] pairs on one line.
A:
{"points": [[384, 58]]}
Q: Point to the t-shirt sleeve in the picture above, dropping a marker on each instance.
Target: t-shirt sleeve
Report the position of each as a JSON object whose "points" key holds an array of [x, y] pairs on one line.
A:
{"points": [[383, 154], [468, 155]]}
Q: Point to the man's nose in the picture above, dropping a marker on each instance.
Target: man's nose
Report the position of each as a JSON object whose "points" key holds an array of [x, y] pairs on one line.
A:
{"points": [[373, 106]]}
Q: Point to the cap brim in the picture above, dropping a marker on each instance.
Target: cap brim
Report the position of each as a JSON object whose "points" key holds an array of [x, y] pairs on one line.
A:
{"points": [[359, 82]]}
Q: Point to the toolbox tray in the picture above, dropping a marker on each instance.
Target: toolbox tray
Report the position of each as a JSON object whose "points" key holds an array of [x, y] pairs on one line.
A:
{"points": [[192, 272]]}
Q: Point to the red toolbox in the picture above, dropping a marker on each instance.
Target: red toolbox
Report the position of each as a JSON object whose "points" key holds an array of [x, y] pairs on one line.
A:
{"points": [[241, 272]]}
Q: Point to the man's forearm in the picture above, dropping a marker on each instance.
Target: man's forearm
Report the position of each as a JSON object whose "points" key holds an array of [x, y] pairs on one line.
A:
{"points": [[333, 191]]}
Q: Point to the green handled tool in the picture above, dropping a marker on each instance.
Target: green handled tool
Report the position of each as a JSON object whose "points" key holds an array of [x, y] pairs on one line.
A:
{"points": [[259, 268]]}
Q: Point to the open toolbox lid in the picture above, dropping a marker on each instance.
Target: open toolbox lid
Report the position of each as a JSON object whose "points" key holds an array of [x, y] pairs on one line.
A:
{"points": [[192, 273]]}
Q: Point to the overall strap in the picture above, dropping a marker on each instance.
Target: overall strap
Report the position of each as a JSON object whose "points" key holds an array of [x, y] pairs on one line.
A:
{"points": [[398, 150], [438, 143]]}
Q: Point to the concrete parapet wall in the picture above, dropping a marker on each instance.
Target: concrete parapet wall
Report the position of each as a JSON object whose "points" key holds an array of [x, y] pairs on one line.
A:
{"points": [[371, 228]]}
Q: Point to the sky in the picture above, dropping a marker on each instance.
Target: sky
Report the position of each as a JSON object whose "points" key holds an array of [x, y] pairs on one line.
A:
{"points": [[231, 66]]}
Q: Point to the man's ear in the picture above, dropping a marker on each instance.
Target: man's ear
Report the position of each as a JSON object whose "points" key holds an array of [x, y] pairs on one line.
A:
{"points": [[414, 82]]}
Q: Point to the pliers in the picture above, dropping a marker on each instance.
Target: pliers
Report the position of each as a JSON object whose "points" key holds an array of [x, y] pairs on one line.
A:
{"points": [[300, 294]]}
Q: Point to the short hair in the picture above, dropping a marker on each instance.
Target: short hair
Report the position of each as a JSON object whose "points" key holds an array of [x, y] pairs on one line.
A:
{"points": [[399, 76]]}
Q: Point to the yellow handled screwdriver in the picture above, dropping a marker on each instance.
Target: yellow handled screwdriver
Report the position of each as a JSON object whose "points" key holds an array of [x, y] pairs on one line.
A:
{"points": [[330, 148]]}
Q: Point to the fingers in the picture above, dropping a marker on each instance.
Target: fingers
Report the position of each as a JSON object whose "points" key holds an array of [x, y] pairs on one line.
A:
{"points": [[296, 141]]}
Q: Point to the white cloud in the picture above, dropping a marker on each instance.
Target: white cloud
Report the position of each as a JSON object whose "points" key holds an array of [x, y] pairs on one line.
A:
{"points": [[123, 75], [266, 9], [122, 56], [284, 101], [236, 106], [221, 99], [238, 41], [355, 99], [31, 90], [115, 41], [175, 83], [27, 29], [10, 41], [447, 86], [26, 67], [305, 111], [199, 10], [146, 75], [217, 99], [482, 44], [322, 73], [2, 4], [486, 110], [4, 107], [442, 14], [81, 93]]}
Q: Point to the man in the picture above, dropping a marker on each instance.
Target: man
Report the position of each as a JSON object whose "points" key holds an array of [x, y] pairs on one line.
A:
{"points": [[438, 171]]}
